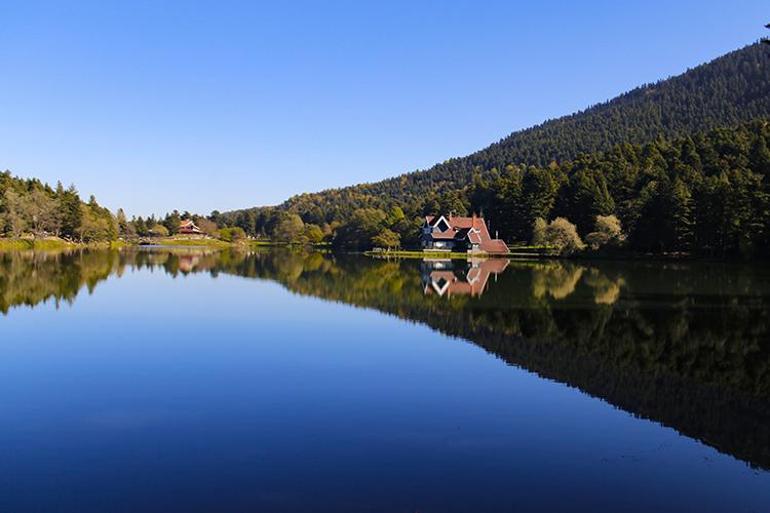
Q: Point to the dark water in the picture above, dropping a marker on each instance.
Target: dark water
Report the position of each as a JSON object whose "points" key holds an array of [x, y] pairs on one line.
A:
{"points": [[189, 381]]}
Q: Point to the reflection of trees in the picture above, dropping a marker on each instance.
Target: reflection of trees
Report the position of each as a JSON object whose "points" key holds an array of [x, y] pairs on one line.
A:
{"points": [[556, 280], [685, 346], [606, 291], [28, 278]]}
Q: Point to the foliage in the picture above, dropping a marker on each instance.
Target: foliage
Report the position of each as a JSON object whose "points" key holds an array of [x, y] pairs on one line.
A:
{"points": [[289, 228], [607, 232], [313, 233], [207, 226], [387, 239], [30, 207], [559, 234], [158, 230], [233, 234], [358, 232], [171, 222], [622, 157]]}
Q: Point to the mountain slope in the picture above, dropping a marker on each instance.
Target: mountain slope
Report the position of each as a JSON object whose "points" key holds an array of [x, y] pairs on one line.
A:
{"points": [[725, 92]]}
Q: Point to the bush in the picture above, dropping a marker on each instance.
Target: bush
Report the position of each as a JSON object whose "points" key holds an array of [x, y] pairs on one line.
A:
{"points": [[159, 231], [232, 234], [608, 232], [313, 233], [290, 228], [386, 239], [560, 235]]}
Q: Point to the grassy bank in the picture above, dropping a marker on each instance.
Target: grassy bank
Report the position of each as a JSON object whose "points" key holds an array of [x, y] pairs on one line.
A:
{"points": [[53, 244], [183, 241], [418, 254], [522, 252]]}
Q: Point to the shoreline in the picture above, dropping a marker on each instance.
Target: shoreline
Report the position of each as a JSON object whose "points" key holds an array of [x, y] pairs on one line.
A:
{"points": [[522, 253]]}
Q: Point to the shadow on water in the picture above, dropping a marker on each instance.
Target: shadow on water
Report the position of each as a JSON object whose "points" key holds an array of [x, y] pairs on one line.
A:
{"points": [[685, 345]]}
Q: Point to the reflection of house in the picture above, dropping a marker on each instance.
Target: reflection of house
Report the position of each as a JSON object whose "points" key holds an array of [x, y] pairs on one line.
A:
{"points": [[187, 263], [452, 233], [442, 278], [187, 227]]}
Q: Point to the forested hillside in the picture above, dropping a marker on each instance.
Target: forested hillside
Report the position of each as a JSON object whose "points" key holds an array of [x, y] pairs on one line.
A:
{"points": [[29, 206], [726, 92]]}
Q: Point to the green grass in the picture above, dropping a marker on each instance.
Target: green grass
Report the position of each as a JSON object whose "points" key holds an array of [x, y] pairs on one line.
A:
{"points": [[525, 252], [419, 254], [53, 244], [209, 243], [15, 244], [47, 244]]}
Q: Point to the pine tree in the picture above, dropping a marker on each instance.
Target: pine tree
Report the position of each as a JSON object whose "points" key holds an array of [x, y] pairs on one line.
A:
{"points": [[759, 158], [120, 217], [681, 216]]}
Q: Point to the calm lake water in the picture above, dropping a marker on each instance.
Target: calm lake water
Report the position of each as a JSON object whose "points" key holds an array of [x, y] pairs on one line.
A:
{"points": [[191, 381]]}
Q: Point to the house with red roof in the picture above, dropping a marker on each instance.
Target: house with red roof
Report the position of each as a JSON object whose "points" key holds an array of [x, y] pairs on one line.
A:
{"points": [[188, 227], [455, 233]]}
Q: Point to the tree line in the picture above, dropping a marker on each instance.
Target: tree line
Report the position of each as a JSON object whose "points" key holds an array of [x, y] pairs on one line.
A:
{"points": [[706, 194], [28, 206], [728, 91], [31, 208]]}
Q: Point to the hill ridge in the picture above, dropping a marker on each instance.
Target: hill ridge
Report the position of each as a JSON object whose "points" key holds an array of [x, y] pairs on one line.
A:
{"points": [[480, 158]]}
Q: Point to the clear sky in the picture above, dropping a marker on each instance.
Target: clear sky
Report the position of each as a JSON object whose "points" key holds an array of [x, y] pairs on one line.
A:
{"points": [[156, 105]]}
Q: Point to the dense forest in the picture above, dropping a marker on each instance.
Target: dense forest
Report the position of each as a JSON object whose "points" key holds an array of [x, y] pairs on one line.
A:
{"points": [[706, 194], [714, 113]]}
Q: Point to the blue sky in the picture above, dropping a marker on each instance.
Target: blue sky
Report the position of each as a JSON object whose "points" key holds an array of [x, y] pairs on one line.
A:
{"points": [[156, 105]]}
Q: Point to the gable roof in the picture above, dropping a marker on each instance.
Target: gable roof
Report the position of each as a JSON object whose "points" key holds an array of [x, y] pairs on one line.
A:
{"points": [[474, 229], [456, 222]]}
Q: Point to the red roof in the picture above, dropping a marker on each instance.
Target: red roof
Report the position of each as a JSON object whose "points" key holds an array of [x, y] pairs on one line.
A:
{"points": [[188, 226], [474, 228], [494, 246], [457, 222]]}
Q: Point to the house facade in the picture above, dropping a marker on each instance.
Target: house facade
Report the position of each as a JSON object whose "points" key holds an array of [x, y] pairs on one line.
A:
{"points": [[188, 227], [458, 234]]}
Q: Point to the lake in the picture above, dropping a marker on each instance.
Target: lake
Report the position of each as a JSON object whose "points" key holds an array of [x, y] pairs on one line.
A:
{"points": [[181, 379]]}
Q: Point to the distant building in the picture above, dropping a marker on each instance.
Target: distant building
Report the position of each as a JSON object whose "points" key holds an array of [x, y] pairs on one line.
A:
{"points": [[187, 227], [453, 233]]}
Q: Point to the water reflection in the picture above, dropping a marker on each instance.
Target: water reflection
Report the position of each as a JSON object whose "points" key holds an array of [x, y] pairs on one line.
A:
{"points": [[685, 345], [459, 277]]}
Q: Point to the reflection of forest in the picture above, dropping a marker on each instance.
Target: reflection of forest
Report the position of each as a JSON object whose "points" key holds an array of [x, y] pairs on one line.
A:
{"points": [[685, 345]]}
